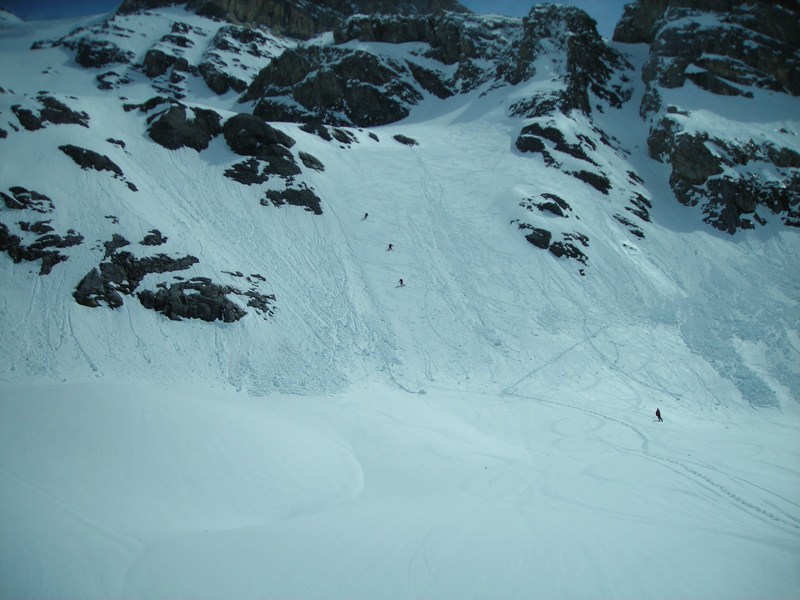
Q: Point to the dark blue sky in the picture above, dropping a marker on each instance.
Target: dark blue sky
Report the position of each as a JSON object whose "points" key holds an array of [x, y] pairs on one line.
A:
{"points": [[606, 12]]}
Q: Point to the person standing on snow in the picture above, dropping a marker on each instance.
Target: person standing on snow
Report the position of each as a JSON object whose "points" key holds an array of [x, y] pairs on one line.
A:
{"points": [[658, 415], [390, 248], [401, 284]]}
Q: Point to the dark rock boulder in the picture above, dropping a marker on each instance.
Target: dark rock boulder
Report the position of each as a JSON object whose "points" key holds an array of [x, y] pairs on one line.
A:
{"points": [[553, 204], [154, 238], [539, 237], [181, 126], [405, 140], [310, 161], [249, 135], [220, 81], [249, 172], [157, 62], [297, 197], [92, 289], [597, 181], [44, 248], [204, 300], [89, 159], [115, 243], [122, 274], [24, 199], [95, 53], [531, 139], [52, 111], [568, 250]]}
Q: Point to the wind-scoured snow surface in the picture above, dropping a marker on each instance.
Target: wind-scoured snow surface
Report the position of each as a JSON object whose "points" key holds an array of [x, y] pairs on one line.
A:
{"points": [[485, 431]]}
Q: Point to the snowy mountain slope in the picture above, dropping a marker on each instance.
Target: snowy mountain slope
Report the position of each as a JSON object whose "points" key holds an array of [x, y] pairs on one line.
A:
{"points": [[337, 316], [481, 431]]}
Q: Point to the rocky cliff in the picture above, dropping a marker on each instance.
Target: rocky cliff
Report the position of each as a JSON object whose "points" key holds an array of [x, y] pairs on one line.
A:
{"points": [[301, 20], [721, 48]]}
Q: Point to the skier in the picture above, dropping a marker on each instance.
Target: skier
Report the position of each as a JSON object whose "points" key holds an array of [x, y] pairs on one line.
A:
{"points": [[401, 284], [364, 218], [390, 248], [658, 415]]}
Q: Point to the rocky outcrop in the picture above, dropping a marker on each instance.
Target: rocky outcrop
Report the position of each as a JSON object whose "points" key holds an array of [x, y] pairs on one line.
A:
{"points": [[89, 159], [204, 300], [121, 275], [200, 298], [544, 139], [740, 175], [564, 247], [183, 127], [334, 85], [249, 135], [348, 86], [302, 196], [710, 171], [741, 44], [154, 238], [301, 20], [222, 68], [94, 53], [24, 199], [45, 247], [50, 110]]}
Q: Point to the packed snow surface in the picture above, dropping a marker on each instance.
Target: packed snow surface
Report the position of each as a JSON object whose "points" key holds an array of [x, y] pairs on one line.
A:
{"points": [[485, 431]]}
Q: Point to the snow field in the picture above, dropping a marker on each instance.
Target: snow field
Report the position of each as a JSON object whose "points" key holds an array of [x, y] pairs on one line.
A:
{"points": [[205, 493]]}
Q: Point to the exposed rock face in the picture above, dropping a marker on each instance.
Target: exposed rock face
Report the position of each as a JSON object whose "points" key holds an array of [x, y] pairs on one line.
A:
{"points": [[591, 65], [297, 197], [51, 111], [89, 159], [180, 126], [347, 86], [741, 43], [707, 170], [301, 20], [333, 85], [23, 199], [122, 275], [728, 48], [43, 248], [206, 301], [249, 135], [46, 246]]}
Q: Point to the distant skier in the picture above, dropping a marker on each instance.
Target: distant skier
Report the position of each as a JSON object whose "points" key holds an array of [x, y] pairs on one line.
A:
{"points": [[390, 248], [364, 218], [658, 415], [401, 284]]}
